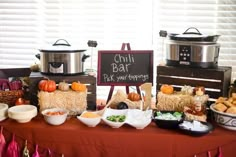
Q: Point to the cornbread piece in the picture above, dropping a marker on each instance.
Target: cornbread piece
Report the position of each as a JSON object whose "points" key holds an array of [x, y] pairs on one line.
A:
{"points": [[234, 96], [220, 107], [231, 110], [220, 100], [234, 103], [228, 103]]}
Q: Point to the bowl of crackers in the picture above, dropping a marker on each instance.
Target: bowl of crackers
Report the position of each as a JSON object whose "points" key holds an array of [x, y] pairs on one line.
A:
{"points": [[224, 112]]}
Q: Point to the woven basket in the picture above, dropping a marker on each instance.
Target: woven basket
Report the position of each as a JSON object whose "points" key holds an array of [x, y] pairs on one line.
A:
{"points": [[9, 97]]}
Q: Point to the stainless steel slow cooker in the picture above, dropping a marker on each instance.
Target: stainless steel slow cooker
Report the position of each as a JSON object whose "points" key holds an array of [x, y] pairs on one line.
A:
{"points": [[192, 49], [61, 58]]}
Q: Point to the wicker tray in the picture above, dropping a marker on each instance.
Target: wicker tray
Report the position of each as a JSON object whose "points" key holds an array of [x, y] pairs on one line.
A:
{"points": [[9, 97]]}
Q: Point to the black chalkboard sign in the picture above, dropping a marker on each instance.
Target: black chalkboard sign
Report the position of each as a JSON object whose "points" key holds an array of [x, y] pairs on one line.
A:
{"points": [[125, 67]]}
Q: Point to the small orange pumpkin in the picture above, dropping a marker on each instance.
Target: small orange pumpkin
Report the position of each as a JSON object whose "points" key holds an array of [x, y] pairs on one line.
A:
{"points": [[167, 89], [77, 86], [47, 85], [134, 96]]}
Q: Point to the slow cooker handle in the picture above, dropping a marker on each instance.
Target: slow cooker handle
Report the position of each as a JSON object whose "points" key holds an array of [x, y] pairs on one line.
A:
{"points": [[198, 32], [84, 57], [64, 44], [37, 56]]}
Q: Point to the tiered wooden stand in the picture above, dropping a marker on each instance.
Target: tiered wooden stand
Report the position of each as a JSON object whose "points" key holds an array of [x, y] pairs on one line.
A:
{"points": [[216, 81], [90, 81]]}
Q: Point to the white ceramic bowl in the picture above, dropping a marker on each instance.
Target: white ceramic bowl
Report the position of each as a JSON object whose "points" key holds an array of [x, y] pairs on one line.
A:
{"points": [[110, 112], [223, 119], [22, 113], [51, 116], [3, 111], [90, 122], [138, 118]]}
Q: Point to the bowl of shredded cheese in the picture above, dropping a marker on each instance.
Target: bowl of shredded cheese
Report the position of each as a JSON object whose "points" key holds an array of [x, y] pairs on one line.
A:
{"points": [[91, 119]]}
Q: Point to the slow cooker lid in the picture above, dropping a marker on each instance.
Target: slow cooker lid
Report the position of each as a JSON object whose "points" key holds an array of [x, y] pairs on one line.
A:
{"points": [[193, 36], [191, 43], [61, 45]]}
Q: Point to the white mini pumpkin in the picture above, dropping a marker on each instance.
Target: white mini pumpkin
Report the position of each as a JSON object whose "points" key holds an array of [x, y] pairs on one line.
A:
{"points": [[63, 86]]}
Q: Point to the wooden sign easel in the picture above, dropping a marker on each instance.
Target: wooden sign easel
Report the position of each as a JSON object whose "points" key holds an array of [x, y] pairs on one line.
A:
{"points": [[124, 45]]}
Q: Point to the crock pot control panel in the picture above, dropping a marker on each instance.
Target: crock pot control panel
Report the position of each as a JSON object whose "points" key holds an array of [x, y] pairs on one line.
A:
{"points": [[184, 54]]}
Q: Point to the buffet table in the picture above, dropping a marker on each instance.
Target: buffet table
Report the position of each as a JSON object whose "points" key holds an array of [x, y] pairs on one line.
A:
{"points": [[73, 139]]}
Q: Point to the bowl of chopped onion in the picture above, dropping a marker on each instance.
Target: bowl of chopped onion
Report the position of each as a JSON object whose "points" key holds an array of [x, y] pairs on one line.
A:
{"points": [[196, 128], [139, 119], [55, 116]]}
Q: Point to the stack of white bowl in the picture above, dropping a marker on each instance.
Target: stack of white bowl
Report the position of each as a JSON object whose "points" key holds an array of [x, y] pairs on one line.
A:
{"points": [[22, 113], [3, 111]]}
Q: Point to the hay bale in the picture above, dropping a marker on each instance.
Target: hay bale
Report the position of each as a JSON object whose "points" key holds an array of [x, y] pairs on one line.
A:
{"points": [[173, 102], [74, 102], [178, 100]]}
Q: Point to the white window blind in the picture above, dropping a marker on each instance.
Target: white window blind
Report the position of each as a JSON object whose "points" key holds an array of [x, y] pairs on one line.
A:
{"points": [[19, 27], [26, 25], [109, 22], [226, 26]]}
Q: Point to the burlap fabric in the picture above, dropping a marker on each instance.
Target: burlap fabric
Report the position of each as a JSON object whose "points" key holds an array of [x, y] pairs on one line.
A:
{"points": [[120, 96]]}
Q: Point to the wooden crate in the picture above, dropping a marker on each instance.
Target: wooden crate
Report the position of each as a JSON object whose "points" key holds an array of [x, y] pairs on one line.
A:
{"points": [[14, 72], [90, 81], [216, 81]]}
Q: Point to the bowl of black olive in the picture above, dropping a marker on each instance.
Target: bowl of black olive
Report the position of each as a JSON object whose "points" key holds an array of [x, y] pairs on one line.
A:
{"points": [[122, 105]]}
